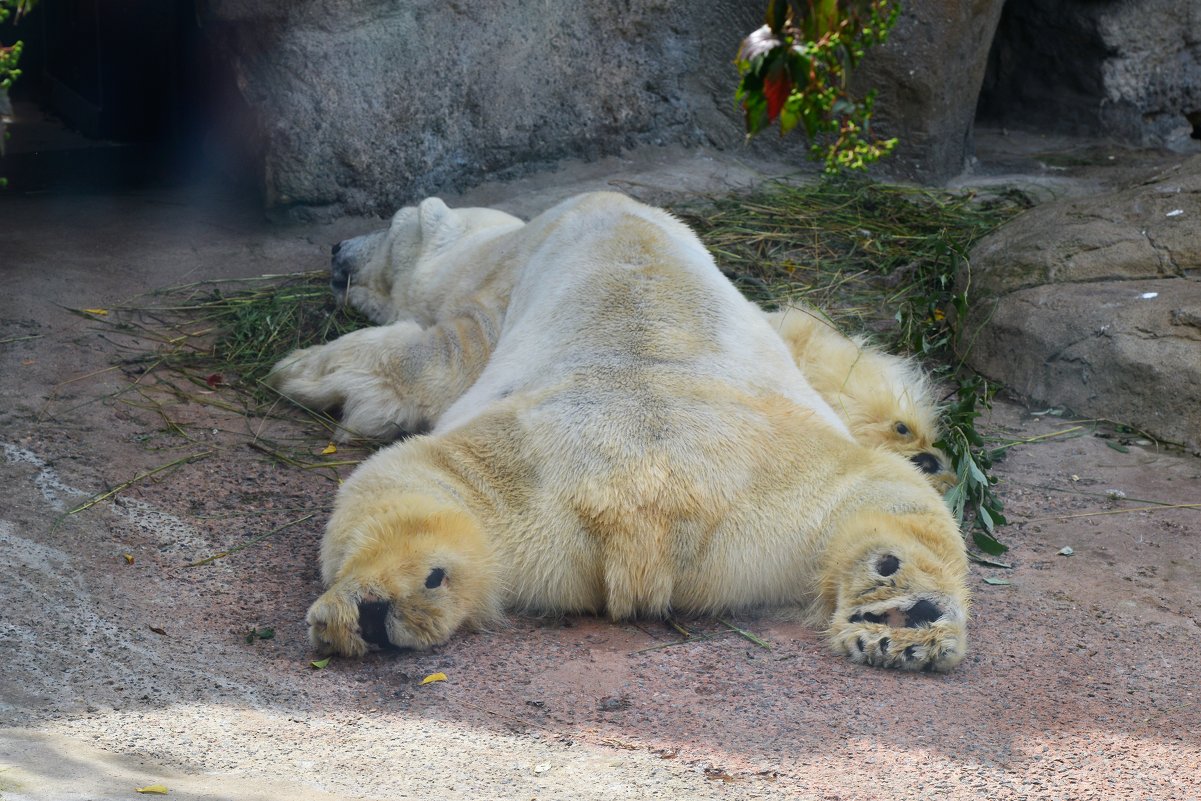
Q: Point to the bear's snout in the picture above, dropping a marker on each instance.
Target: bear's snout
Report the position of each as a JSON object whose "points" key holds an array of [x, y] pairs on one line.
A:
{"points": [[339, 269], [928, 463], [373, 622]]}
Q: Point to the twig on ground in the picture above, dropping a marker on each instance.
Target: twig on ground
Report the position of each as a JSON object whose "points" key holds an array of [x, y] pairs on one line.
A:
{"points": [[103, 496], [249, 543], [1149, 508], [744, 633]]}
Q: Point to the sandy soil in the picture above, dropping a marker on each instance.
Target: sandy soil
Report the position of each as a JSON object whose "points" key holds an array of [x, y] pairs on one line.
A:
{"points": [[122, 668]]}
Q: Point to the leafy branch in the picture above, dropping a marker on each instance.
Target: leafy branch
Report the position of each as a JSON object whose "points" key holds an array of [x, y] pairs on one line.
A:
{"points": [[10, 57], [795, 69], [973, 491], [931, 326]]}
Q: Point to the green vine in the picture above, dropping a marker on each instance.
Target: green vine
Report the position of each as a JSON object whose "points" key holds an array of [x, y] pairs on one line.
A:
{"points": [[10, 57], [795, 68], [931, 326]]}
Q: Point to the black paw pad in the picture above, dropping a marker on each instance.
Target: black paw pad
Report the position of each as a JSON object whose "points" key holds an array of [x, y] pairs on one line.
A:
{"points": [[927, 462], [922, 613], [373, 617], [887, 565], [868, 617]]}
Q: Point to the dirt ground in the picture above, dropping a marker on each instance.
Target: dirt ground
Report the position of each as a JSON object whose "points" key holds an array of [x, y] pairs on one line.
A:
{"points": [[122, 668]]}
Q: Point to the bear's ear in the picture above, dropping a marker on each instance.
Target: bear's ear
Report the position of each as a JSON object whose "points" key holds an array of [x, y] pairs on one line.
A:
{"points": [[439, 224]]}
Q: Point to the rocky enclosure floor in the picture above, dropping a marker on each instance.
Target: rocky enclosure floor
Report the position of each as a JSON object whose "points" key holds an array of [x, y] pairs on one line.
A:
{"points": [[123, 668]]}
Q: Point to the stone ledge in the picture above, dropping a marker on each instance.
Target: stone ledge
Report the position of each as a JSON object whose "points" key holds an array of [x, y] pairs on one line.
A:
{"points": [[1095, 304]]}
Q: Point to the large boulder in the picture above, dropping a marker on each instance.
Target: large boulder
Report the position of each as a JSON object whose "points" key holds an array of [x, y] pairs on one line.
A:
{"points": [[1095, 304], [363, 106]]}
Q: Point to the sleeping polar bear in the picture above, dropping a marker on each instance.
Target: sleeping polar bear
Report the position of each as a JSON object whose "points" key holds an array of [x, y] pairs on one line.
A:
{"points": [[614, 429]]}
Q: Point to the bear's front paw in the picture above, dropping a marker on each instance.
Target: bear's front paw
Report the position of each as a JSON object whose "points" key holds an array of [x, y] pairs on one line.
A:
{"points": [[306, 376], [334, 625], [348, 618], [892, 623], [357, 376]]}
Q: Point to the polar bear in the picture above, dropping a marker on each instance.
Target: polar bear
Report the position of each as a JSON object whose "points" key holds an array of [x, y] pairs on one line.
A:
{"points": [[884, 399], [614, 429]]}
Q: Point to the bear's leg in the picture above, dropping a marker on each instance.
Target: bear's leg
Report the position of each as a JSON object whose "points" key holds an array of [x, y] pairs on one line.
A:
{"points": [[898, 594], [402, 570], [390, 379]]}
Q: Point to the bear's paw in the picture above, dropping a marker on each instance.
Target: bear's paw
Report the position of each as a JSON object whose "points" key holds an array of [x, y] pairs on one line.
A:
{"points": [[898, 619]]}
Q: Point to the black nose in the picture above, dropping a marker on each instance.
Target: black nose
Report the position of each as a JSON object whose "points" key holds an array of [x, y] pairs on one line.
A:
{"points": [[333, 251], [339, 274], [373, 617], [927, 463]]}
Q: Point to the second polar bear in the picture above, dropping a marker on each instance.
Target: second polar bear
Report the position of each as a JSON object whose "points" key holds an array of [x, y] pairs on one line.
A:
{"points": [[885, 400], [616, 430]]}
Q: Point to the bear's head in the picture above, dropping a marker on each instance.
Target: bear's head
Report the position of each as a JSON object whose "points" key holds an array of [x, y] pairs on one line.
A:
{"points": [[372, 273]]}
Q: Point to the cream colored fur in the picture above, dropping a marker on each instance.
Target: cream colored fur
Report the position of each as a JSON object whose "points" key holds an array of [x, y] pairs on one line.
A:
{"points": [[885, 400], [632, 438]]}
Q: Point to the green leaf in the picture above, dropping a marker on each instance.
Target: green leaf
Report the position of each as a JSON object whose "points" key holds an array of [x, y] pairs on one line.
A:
{"points": [[778, 12], [976, 472], [988, 544], [975, 557], [957, 500], [321, 664], [1117, 446], [985, 519], [997, 582]]}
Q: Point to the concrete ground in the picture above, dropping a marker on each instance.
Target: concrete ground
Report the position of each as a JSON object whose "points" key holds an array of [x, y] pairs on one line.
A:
{"points": [[122, 668]]}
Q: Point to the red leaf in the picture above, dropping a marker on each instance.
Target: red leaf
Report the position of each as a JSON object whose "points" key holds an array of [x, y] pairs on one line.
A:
{"points": [[214, 380], [776, 88]]}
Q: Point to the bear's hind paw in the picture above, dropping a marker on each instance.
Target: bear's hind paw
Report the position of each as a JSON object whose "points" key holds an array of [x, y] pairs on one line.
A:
{"points": [[910, 634]]}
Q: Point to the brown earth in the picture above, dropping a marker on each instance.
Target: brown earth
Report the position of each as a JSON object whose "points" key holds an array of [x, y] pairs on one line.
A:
{"points": [[127, 672]]}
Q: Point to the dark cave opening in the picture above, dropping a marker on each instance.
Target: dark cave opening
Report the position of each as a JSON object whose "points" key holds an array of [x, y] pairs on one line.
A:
{"points": [[117, 96]]}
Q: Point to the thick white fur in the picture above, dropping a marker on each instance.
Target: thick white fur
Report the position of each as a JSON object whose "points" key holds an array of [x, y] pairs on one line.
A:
{"points": [[631, 437]]}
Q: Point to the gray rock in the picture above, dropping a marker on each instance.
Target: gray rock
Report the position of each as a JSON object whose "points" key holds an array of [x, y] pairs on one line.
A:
{"points": [[1095, 304], [928, 75], [364, 106]]}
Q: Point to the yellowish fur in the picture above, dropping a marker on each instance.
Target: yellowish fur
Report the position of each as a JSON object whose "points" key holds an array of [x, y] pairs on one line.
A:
{"points": [[885, 400], [638, 442]]}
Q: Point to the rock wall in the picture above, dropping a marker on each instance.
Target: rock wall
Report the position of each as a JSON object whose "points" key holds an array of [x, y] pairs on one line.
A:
{"points": [[1127, 69], [363, 105], [928, 76]]}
